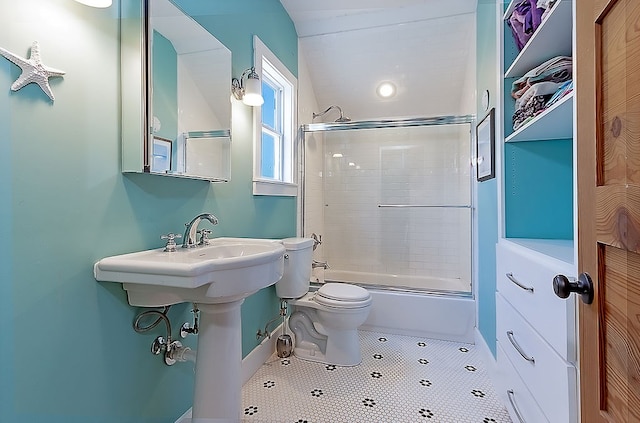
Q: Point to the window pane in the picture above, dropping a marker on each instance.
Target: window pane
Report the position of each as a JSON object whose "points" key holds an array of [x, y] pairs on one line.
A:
{"points": [[268, 160], [269, 106]]}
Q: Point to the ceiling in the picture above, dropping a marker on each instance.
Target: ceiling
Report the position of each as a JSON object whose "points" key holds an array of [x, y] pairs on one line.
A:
{"points": [[425, 47]]}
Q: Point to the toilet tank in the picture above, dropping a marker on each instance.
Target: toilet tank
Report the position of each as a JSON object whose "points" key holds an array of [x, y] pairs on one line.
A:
{"points": [[297, 268]]}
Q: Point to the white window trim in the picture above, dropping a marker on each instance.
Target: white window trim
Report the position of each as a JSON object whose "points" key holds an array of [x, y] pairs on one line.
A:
{"points": [[264, 186]]}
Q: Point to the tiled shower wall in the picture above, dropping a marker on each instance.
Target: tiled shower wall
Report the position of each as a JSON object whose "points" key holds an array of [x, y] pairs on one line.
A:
{"points": [[350, 174], [313, 187]]}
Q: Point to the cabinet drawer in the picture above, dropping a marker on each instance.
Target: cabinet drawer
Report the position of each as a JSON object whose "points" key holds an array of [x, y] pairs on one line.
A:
{"points": [[514, 393], [525, 279], [551, 380]]}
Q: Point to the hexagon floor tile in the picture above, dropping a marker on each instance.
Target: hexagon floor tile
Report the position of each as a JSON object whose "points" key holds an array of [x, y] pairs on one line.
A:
{"points": [[402, 379]]}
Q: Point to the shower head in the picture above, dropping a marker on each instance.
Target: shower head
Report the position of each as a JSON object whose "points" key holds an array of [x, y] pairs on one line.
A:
{"points": [[340, 119]]}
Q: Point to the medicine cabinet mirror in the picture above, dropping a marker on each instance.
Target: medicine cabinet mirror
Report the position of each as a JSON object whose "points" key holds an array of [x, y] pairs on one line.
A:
{"points": [[176, 109]]}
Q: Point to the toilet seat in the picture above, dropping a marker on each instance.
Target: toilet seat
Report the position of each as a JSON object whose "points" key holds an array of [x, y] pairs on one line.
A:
{"points": [[342, 295]]}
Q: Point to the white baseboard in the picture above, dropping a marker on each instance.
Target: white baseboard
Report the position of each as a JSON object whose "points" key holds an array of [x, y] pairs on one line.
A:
{"points": [[259, 355], [487, 356], [250, 364]]}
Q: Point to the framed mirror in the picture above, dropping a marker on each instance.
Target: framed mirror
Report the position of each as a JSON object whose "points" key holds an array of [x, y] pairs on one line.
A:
{"points": [[175, 94]]}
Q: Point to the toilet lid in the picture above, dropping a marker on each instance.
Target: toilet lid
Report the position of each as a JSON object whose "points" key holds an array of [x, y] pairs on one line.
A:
{"points": [[343, 292]]}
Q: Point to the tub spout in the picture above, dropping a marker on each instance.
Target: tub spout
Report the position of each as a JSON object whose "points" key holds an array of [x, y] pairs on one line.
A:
{"points": [[322, 264]]}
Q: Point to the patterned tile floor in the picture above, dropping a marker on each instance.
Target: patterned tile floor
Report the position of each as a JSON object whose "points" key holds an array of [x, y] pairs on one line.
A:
{"points": [[401, 379]]}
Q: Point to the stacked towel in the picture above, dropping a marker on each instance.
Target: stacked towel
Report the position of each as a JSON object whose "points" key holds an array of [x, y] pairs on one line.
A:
{"points": [[539, 88], [561, 92]]}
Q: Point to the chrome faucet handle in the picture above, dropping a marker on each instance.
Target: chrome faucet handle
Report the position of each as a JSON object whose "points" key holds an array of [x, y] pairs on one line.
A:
{"points": [[171, 241], [317, 240], [204, 236]]}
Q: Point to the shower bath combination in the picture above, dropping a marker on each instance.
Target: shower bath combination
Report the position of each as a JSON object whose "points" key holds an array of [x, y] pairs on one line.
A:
{"points": [[341, 119], [395, 202]]}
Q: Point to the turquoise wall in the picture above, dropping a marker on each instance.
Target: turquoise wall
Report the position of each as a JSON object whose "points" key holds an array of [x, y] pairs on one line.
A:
{"points": [[234, 22], [538, 204], [69, 353], [486, 78]]}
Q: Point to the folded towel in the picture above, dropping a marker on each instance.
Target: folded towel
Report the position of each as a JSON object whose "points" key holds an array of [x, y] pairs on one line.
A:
{"points": [[557, 69], [562, 91], [537, 89]]}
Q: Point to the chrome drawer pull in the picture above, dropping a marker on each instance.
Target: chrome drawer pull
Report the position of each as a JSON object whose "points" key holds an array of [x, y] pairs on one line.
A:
{"points": [[512, 400], [518, 348], [514, 280]]}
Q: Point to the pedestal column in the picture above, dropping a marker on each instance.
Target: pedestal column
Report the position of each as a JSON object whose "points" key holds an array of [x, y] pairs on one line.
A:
{"points": [[218, 382]]}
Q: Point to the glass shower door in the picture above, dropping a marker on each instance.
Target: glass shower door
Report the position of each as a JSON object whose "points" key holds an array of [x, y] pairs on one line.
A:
{"points": [[396, 207]]}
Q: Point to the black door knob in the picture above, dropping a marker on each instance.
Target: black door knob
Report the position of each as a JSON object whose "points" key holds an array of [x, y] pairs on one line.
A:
{"points": [[562, 286]]}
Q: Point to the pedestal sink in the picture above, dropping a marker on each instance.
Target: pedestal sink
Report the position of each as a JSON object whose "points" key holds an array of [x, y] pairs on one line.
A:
{"points": [[218, 277]]}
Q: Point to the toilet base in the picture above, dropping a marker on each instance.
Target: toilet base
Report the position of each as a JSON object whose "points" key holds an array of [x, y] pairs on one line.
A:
{"points": [[343, 349], [326, 327]]}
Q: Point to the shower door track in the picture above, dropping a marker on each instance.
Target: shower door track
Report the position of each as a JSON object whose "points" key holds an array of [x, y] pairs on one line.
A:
{"points": [[403, 289], [434, 206]]}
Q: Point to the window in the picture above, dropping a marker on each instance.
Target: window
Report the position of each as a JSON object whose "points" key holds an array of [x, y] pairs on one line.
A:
{"points": [[272, 136], [275, 123]]}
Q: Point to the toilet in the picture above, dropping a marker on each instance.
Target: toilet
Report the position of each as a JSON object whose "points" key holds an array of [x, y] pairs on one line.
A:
{"points": [[324, 322]]}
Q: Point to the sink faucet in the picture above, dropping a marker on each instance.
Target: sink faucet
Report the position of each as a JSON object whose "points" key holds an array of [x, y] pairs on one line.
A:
{"points": [[192, 228]]}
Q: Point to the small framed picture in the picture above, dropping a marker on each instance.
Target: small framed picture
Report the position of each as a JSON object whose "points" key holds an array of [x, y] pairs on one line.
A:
{"points": [[161, 155], [486, 148]]}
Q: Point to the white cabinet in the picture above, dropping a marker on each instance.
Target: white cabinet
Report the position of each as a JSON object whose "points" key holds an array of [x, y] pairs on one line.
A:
{"points": [[535, 331], [524, 279], [515, 394]]}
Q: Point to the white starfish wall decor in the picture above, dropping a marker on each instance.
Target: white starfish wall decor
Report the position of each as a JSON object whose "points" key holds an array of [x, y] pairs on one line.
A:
{"points": [[33, 70]]}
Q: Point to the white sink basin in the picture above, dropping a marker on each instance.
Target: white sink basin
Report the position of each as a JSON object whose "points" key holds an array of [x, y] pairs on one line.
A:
{"points": [[226, 270]]}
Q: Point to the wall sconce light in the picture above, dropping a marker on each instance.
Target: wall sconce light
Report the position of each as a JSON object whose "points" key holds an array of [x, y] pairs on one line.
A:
{"points": [[96, 3], [250, 92]]}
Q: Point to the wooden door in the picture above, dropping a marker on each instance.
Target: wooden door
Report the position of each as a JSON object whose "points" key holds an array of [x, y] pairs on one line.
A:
{"points": [[608, 140]]}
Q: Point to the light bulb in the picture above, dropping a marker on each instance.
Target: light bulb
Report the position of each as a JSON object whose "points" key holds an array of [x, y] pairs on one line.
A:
{"points": [[253, 92], [386, 90]]}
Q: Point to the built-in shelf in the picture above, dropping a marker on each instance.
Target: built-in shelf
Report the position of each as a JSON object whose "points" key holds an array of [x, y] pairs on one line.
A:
{"points": [[552, 38], [180, 176], [538, 216], [560, 249], [553, 124], [538, 206]]}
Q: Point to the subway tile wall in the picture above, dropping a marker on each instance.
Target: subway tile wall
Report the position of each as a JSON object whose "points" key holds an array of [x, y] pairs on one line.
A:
{"points": [[350, 174]]}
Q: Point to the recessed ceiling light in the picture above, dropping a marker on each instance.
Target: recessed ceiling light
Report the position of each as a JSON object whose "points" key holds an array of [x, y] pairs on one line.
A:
{"points": [[386, 89], [337, 155]]}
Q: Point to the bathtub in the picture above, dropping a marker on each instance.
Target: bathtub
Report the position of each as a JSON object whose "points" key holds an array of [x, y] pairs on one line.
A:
{"points": [[441, 309], [404, 282]]}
